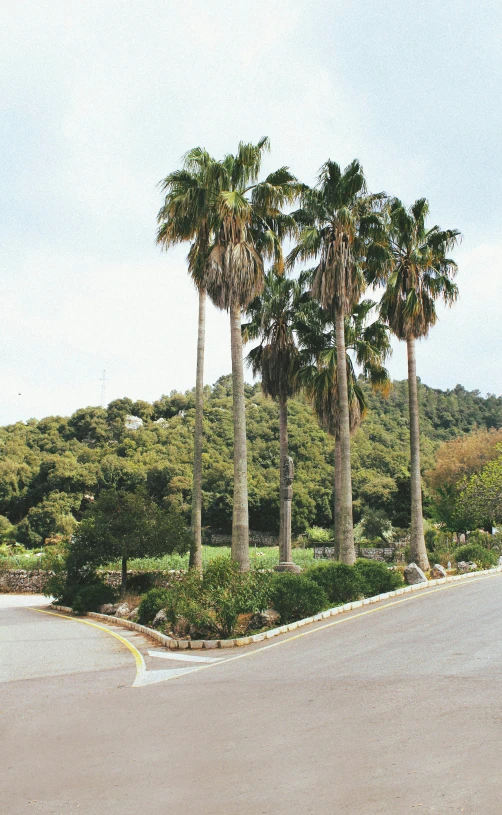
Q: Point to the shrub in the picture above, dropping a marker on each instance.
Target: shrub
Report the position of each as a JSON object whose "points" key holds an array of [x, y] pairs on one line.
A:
{"points": [[477, 554], [341, 583], [91, 597], [296, 596], [376, 578], [151, 604], [221, 571], [141, 583], [211, 606], [316, 535]]}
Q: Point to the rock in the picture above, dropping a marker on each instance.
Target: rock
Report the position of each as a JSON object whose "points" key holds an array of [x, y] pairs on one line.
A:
{"points": [[134, 614], [159, 618], [466, 566], [181, 627], [438, 571], [499, 561], [413, 574], [123, 610], [267, 618], [108, 608]]}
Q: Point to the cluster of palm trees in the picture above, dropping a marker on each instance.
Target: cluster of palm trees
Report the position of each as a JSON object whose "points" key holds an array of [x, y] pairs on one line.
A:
{"points": [[310, 328]]}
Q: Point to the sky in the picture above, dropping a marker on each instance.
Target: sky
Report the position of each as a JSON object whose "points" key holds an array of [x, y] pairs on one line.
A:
{"points": [[100, 100]]}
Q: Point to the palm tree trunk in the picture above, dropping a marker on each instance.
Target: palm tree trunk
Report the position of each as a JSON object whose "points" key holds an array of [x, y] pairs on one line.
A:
{"points": [[418, 552], [336, 496], [196, 547], [347, 551], [124, 576], [240, 519], [284, 545]]}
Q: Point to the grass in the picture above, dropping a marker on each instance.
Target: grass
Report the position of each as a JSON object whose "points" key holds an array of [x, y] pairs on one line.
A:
{"points": [[28, 562], [264, 558]]}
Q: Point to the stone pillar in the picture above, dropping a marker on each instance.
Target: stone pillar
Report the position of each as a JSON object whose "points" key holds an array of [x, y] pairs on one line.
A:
{"points": [[285, 561]]}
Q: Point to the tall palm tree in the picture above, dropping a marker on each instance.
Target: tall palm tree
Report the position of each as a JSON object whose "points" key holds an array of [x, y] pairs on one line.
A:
{"points": [[339, 220], [419, 274], [366, 342], [247, 212], [187, 215], [271, 320]]}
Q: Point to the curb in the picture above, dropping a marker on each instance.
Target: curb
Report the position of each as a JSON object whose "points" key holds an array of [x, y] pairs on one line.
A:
{"points": [[163, 639], [239, 642]]}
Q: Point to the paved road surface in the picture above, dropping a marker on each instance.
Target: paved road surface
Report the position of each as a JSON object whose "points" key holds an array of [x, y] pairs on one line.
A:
{"points": [[397, 711]]}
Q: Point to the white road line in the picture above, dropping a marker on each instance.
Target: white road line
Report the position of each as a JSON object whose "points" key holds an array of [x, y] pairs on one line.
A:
{"points": [[183, 657], [152, 677]]}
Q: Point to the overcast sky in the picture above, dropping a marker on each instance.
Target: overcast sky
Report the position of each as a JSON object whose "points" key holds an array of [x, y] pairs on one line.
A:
{"points": [[99, 101]]}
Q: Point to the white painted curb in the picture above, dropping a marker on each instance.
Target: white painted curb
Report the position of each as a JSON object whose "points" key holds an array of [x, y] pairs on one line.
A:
{"points": [[173, 644]]}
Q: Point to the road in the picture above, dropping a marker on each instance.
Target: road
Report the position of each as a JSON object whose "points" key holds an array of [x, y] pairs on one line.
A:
{"points": [[395, 710]]}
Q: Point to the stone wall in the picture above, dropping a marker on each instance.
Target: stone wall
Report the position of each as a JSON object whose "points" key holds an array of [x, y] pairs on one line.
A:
{"points": [[255, 539], [390, 554], [162, 578], [22, 581]]}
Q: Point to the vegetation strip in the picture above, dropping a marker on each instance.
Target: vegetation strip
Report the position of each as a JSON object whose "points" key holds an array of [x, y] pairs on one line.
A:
{"points": [[237, 642], [338, 622]]}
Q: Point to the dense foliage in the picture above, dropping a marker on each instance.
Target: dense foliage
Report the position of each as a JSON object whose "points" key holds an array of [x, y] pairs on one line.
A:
{"points": [[215, 605], [465, 482], [49, 468]]}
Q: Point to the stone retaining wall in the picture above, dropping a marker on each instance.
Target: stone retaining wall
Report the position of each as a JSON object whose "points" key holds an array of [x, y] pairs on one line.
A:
{"points": [[23, 581], [162, 578], [255, 539], [388, 554]]}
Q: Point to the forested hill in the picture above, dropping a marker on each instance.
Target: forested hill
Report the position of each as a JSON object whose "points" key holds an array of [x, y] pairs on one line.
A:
{"points": [[49, 467]]}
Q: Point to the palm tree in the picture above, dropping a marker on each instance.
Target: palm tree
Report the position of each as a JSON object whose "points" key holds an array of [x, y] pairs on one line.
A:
{"points": [[271, 320], [246, 213], [339, 220], [419, 273], [186, 216], [369, 345]]}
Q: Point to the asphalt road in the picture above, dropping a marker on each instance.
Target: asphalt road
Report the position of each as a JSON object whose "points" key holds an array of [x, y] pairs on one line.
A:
{"points": [[394, 711]]}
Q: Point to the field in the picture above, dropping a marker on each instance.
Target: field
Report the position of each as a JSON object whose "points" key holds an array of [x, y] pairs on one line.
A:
{"points": [[264, 558]]}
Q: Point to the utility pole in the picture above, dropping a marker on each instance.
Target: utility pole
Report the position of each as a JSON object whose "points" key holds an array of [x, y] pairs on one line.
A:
{"points": [[103, 381]]}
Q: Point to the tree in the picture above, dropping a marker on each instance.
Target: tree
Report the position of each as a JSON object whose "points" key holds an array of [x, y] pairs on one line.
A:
{"points": [[369, 343], [272, 320], [456, 461], [418, 274], [339, 219], [247, 230], [480, 502], [186, 215], [124, 525]]}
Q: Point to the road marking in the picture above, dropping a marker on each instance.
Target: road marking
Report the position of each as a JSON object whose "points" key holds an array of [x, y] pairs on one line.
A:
{"points": [[138, 657], [144, 677], [417, 596], [152, 677], [183, 657]]}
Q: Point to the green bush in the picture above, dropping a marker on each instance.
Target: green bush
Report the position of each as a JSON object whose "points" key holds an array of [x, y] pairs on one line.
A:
{"points": [[211, 606], [296, 596], [477, 554], [376, 577], [151, 604], [316, 535], [141, 583], [340, 582], [91, 597]]}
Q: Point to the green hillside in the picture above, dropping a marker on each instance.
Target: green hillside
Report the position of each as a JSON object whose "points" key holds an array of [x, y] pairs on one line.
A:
{"points": [[48, 468]]}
